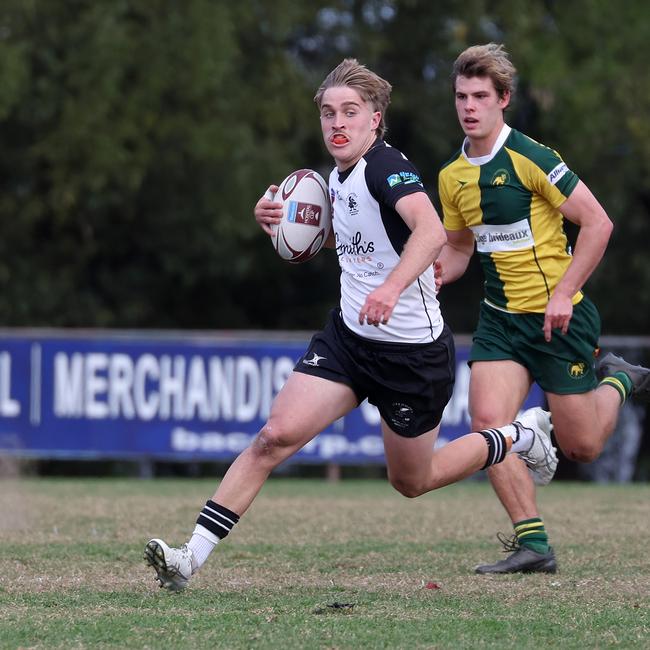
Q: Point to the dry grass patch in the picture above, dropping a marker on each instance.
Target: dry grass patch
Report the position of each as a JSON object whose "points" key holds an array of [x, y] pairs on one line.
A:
{"points": [[71, 550]]}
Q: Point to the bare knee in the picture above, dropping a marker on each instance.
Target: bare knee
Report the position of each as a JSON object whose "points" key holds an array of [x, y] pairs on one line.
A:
{"points": [[271, 444], [487, 418], [578, 441], [407, 487], [582, 451]]}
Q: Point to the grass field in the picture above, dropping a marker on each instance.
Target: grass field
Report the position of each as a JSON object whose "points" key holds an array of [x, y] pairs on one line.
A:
{"points": [[318, 565]]}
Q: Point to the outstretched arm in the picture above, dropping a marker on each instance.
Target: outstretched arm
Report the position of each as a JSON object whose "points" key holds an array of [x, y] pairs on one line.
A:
{"points": [[422, 247], [583, 209]]}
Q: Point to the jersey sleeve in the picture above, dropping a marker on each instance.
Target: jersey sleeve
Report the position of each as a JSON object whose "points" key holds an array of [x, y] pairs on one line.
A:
{"points": [[390, 176], [549, 175], [451, 216]]}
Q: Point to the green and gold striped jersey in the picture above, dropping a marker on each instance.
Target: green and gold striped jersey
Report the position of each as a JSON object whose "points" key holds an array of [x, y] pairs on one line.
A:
{"points": [[510, 200]]}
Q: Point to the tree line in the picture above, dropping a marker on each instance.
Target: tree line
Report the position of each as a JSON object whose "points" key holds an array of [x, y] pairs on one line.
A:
{"points": [[137, 136]]}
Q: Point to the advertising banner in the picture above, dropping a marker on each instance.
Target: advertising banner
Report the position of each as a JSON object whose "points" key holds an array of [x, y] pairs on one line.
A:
{"points": [[183, 398]]}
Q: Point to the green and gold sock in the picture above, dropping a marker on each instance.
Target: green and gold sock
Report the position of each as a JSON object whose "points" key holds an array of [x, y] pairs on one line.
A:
{"points": [[621, 382], [532, 534]]}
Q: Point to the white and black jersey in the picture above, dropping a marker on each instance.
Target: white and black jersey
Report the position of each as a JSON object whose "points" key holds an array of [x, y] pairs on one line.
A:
{"points": [[370, 236]]}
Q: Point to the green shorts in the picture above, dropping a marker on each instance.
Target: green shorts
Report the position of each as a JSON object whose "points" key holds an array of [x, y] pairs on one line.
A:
{"points": [[563, 366]]}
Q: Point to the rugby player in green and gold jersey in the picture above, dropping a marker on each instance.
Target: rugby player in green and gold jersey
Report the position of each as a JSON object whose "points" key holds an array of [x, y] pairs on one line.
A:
{"points": [[507, 195]]}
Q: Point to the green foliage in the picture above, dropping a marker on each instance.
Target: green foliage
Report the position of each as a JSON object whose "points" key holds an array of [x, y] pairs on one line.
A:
{"points": [[137, 136]]}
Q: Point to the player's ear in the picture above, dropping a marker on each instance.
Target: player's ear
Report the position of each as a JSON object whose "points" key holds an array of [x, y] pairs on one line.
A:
{"points": [[504, 100], [376, 119]]}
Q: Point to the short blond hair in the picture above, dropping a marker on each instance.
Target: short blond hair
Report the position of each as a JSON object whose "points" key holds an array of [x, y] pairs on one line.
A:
{"points": [[489, 60], [370, 86]]}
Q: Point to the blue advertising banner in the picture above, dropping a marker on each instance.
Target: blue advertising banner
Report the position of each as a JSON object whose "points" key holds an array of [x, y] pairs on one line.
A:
{"points": [[182, 397]]}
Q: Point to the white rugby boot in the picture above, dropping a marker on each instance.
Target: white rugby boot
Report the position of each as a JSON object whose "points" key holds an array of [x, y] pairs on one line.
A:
{"points": [[540, 457], [174, 566]]}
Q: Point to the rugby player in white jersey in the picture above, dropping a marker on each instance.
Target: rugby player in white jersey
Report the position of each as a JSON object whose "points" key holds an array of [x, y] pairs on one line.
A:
{"points": [[386, 341]]}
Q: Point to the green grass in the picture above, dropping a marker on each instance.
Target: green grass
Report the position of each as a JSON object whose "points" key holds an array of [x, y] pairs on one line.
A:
{"points": [[71, 574]]}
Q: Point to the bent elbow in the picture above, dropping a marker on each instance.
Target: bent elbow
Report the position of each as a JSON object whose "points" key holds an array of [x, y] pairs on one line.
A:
{"points": [[439, 237], [606, 229]]}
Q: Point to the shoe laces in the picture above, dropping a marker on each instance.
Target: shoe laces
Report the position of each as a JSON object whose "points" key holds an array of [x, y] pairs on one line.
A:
{"points": [[548, 459], [520, 429], [189, 555], [510, 544], [548, 456]]}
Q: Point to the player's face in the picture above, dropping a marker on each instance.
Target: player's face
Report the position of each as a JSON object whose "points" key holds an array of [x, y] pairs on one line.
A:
{"points": [[480, 112], [348, 124]]}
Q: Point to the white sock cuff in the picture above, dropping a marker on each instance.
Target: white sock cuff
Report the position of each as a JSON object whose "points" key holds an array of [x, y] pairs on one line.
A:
{"points": [[201, 547], [206, 534]]}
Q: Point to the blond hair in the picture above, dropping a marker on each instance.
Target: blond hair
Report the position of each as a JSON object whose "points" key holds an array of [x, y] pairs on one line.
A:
{"points": [[489, 60], [370, 86]]}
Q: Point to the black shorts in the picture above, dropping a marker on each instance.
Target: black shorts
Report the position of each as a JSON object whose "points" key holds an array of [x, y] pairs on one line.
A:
{"points": [[410, 384]]}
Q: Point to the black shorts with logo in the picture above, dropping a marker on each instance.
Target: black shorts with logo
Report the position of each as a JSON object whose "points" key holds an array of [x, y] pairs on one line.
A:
{"points": [[410, 384]]}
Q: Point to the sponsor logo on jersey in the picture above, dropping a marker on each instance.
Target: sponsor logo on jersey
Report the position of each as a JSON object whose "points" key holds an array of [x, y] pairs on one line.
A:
{"points": [[353, 205], [501, 177], [314, 360], [304, 213], [577, 369], [503, 237], [556, 173], [407, 178], [356, 245]]}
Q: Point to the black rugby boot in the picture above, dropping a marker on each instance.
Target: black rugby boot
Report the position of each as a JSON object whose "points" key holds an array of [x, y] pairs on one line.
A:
{"points": [[639, 376], [525, 560], [520, 560]]}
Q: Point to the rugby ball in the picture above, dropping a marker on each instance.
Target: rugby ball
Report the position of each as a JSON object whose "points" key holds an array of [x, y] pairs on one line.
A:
{"points": [[306, 216]]}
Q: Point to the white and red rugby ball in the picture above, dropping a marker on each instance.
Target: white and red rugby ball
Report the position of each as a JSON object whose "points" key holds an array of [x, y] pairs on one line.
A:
{"points": [[306, 216]]}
